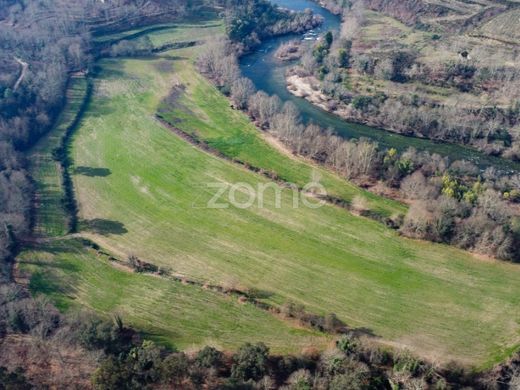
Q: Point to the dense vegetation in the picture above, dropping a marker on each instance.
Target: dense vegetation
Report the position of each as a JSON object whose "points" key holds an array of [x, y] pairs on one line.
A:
{"points": [[249, 22], [409, 68], [349, 365]]}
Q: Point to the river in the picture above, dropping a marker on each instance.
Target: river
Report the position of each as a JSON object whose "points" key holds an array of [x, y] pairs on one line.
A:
{"points": [[267, 73]]}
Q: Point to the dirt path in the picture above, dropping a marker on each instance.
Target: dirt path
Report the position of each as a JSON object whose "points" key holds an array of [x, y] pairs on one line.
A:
{"points": [[25, 66]]}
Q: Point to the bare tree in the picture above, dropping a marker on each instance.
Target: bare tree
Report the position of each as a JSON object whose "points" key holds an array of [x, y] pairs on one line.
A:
{"points": [[241, 91]]}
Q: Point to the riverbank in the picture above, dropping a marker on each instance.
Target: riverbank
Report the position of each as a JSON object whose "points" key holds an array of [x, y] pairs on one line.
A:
{"points": [[392, 80], [309, 88]]}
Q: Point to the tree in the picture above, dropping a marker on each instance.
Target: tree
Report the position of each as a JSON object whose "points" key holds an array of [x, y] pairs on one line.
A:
{"points": [[174, 368], [300, 380], [264, 107], [385, 69], [14, 380], [111, 374], [343, 58], [413, 186], [209, 357], [241, 91], [328, 38], [250, 362]]}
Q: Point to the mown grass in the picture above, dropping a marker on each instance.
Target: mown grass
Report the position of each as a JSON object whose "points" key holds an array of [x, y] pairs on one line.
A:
{"points": [[187, 32], [51, 218], [436, 300], [173, 314]]}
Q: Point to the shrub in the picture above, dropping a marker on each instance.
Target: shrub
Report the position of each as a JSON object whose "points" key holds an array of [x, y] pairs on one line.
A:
{"points": [[209, 357], [175, 368], [347, 344], [250, 362], [15, 380], [300, 380]]}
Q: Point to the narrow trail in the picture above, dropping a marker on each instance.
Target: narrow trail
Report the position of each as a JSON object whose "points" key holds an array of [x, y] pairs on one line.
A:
{"points": [[24, 66]]}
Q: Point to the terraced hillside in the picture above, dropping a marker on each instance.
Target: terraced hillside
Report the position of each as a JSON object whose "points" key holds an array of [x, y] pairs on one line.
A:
{"points": [[445, 70], [503, 28], [445, 14], [143, 190]]}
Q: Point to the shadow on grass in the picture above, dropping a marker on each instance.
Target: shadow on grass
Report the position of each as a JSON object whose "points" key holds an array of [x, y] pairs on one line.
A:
{"points": [[158, 336], [172, 57], [41, 283], [52, 285], [92, 172], [362, 331], [65, 266], [260, 294], [104, 227]]}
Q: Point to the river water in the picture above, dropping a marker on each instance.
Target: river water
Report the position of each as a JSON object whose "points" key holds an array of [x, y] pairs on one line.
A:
{"points": [[267, 73]]}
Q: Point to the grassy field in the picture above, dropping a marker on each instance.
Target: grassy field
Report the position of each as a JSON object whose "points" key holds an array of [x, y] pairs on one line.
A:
{"points": [[51, 218], [189, 30], [75, 276], [151, 201], [503, 27], [203, 112], [173, 314]]}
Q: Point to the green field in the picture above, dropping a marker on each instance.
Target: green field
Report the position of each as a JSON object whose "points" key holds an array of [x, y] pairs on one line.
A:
{"points": [[173, 314], [418, 295], [143, 190], [75, 276], [51, 219], [202, 112], [189, 30]]}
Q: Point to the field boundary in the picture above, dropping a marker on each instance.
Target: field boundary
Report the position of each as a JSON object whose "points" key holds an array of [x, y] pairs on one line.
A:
{"points": [[306, 319], [62, 154], [328, 199]]}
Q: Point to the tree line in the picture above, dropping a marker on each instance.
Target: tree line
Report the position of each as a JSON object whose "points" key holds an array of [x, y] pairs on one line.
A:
{"points": [[451, 201], [349, 365], [54, 39]]}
